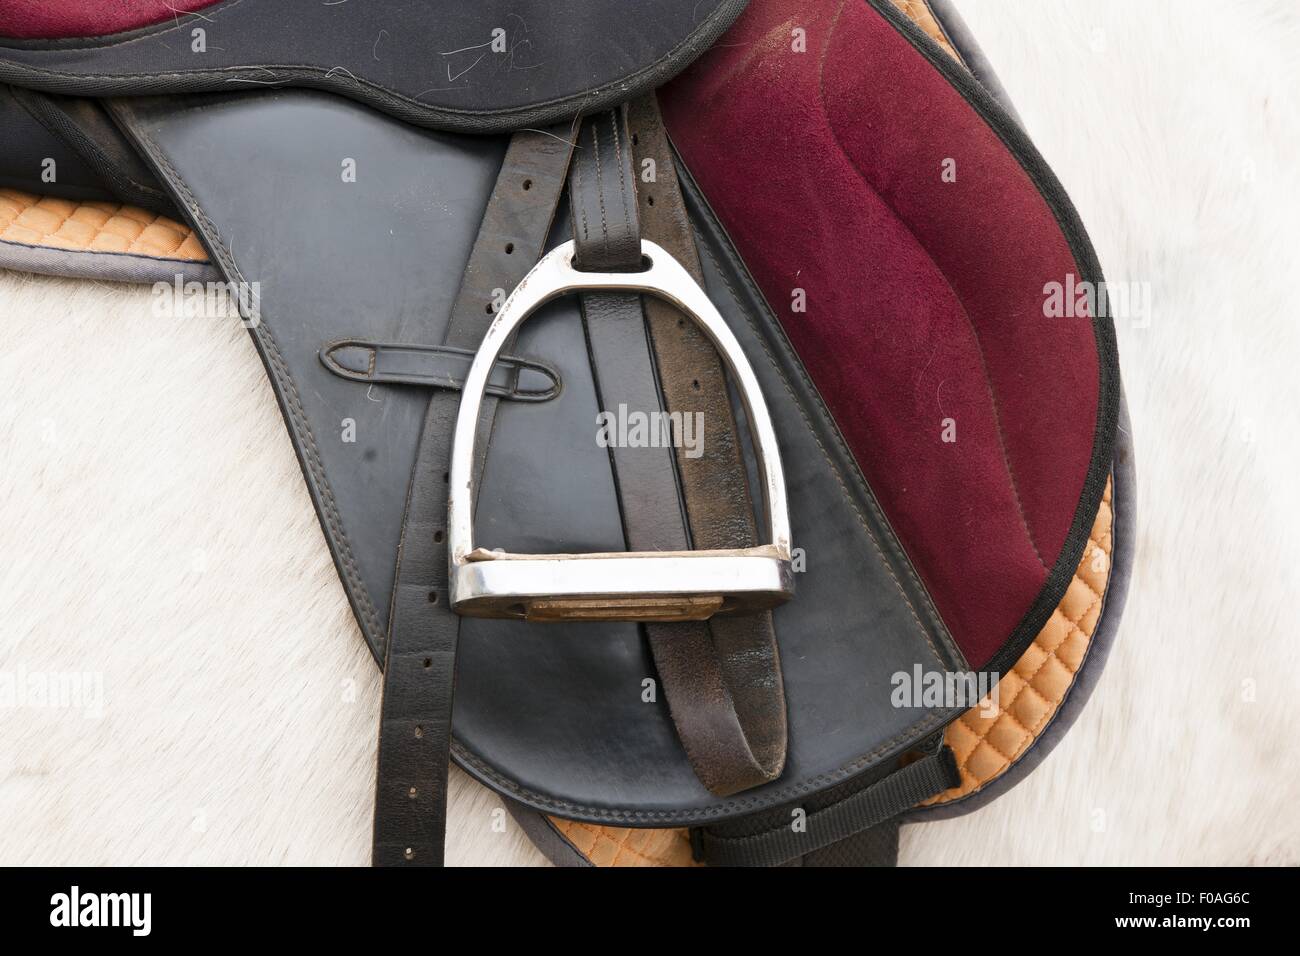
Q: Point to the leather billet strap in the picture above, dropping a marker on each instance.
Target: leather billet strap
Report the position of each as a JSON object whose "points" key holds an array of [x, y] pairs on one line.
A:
{"points": [[420, 664], [721, 678]]}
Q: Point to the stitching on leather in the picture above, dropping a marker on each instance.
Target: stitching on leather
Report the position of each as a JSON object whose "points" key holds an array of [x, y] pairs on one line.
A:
{"points": [[622, 177], [577, 191], [600, 184], [311, 456], [811, 785], [979, 345]]}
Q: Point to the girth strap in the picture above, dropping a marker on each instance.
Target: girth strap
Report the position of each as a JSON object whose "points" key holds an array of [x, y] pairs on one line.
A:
{"points": [[858, 827], [721, 679], [420, 664]]}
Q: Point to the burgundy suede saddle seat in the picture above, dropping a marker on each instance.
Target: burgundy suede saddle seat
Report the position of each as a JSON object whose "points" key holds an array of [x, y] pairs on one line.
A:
{"points": [[904, 280]]}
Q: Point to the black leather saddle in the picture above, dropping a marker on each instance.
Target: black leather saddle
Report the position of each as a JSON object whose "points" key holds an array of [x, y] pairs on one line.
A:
{"points": [[717, 399]]}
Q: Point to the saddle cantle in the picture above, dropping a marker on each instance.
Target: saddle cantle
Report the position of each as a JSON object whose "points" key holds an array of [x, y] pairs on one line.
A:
{"points": [[696, 410]]}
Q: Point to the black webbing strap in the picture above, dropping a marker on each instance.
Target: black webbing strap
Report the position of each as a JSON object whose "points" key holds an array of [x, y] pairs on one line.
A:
{"points": [[420, 663], [858, 815], [875, 846]]}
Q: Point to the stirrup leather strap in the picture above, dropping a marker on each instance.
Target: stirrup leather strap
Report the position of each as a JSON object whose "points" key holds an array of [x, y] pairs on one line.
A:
{"points": [[420, 664], [721, 678]]}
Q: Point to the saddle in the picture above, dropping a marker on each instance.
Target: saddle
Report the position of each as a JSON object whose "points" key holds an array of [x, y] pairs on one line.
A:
{"points": [[714, 399]]}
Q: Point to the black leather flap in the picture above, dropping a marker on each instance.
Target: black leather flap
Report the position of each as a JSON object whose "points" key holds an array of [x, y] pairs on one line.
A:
{"points": [[553, 714], [487, 66]]}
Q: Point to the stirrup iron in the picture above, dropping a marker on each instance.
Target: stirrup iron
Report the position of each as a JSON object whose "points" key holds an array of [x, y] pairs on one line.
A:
{"points": [[615, 586]]}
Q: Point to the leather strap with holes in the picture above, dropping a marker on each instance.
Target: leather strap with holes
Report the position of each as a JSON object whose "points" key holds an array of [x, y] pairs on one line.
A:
{"points": [[420, 661], [715, 485], [721, 679]]}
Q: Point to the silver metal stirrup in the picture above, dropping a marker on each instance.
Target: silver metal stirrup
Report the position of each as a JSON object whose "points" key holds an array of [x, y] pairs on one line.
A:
{"points": [[618, 586]]}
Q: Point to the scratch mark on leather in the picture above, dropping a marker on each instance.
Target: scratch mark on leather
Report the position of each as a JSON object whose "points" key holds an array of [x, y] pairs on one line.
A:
{"points": [[453, 79]]}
